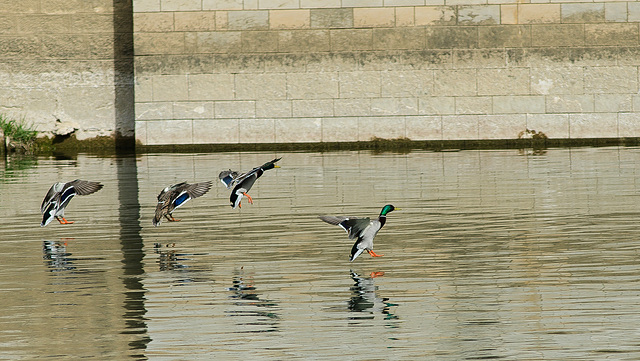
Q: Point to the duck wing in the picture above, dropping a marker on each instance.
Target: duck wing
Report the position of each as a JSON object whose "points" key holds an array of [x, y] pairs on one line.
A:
{"points": [[51, 194], [354, 226], [228, 177], [83, 188]]}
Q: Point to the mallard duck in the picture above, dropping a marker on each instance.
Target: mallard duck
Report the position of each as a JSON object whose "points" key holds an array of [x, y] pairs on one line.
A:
{"points": [[243, 182], [176, 195], [59, 196], [364, 229]]}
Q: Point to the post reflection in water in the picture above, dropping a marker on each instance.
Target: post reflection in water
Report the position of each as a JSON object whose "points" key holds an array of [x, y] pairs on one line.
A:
{"points": [[132, 255], [366, 302], [259, 315]]}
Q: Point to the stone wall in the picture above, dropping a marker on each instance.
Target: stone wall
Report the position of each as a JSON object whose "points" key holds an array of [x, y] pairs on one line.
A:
{"points": [[234, 71], [67, 66]]}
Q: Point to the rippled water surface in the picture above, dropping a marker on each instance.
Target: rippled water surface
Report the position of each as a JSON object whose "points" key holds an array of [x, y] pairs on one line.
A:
{"points": [[494, 255]]}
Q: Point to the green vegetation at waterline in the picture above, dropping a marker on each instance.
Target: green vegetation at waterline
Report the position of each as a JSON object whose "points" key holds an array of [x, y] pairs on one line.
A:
{"points": [[18, 136]]}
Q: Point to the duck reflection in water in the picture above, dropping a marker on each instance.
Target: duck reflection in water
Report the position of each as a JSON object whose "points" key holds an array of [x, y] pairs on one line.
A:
{"points": [[261, 313], [364, 298], [56, 256], [168, 258]]}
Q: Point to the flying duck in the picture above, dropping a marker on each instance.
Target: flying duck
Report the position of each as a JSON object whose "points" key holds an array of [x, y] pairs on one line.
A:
{"points": [[176, 195], [59, 196], [243, 182]]}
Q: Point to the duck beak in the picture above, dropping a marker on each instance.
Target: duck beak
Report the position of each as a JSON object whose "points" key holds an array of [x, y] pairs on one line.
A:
{"points": [[276, 166]]}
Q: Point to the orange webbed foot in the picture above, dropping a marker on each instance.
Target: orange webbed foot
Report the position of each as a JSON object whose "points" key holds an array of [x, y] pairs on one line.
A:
{"points": [[64, 221], [248, 198], [373, 254], [376, 274]]}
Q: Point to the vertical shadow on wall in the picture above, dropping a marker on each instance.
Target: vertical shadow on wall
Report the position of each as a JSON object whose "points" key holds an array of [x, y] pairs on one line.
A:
{"points": [[124, 75], [132, 256]]}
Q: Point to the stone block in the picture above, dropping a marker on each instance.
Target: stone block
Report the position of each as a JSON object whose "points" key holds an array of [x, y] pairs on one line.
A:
{"points": [[256, 131], [489, 58], [169, 132], [260, 86], [312, 86], [552, 125], [628, 125], [406, 83], [316, 4], [437, 105], [239, 63], [154, 110], [352, 107], [458, 82], [615, 12], [403, 2], [516, 104], [211, 86], [615, 34], [613, 103], [144, 88], [180, 5], [567, 103], [170, 88], [219, 42], [290, 19], [505, 81], [152, 22], [195, 21], [362, 3], [501, 126], [399, 39], [331, 18], [473, 105], [423, 127], [389, 127], [193, 110], [435, 15], [278, 4], [394, 106], [593, 125], [459, 127], [373, 17], [304, 41], [479, 15], [312, 108], [248, 20], [215, 131], [538, 13], [284, 63], [244, 109], [222, 4], [273, 108], [509, 14], [259, 41], [141, 132], [511, 36], [582, 13], [557, 80], [611, 79], [449, 37], [360, 84], [557, 35], [158, 43], [405, 16], [339, 129], [351, 39], [633, 11], [222, 20], [298, 130]]}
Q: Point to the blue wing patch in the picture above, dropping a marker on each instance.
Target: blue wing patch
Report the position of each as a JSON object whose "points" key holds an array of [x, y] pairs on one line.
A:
{"points": [[181, 199]]}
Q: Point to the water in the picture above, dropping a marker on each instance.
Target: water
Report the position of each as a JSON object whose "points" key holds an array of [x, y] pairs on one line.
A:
{"points": [[495, 255]]}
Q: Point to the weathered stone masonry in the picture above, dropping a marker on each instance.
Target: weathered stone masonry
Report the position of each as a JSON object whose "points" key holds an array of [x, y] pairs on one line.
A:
{"points": [[243, 71]]}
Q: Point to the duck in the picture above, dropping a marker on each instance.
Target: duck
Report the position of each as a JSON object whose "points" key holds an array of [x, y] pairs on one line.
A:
{"points": [[59, 196], [243, 182], [175, 196], [364, 229]]}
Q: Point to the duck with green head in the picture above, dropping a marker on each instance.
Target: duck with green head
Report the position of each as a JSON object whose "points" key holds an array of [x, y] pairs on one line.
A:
{"points": [[364, 229], [243, 182]]}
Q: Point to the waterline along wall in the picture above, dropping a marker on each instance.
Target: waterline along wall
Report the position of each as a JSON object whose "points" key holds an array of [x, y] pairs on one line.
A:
{"points": [[244, 71]]}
